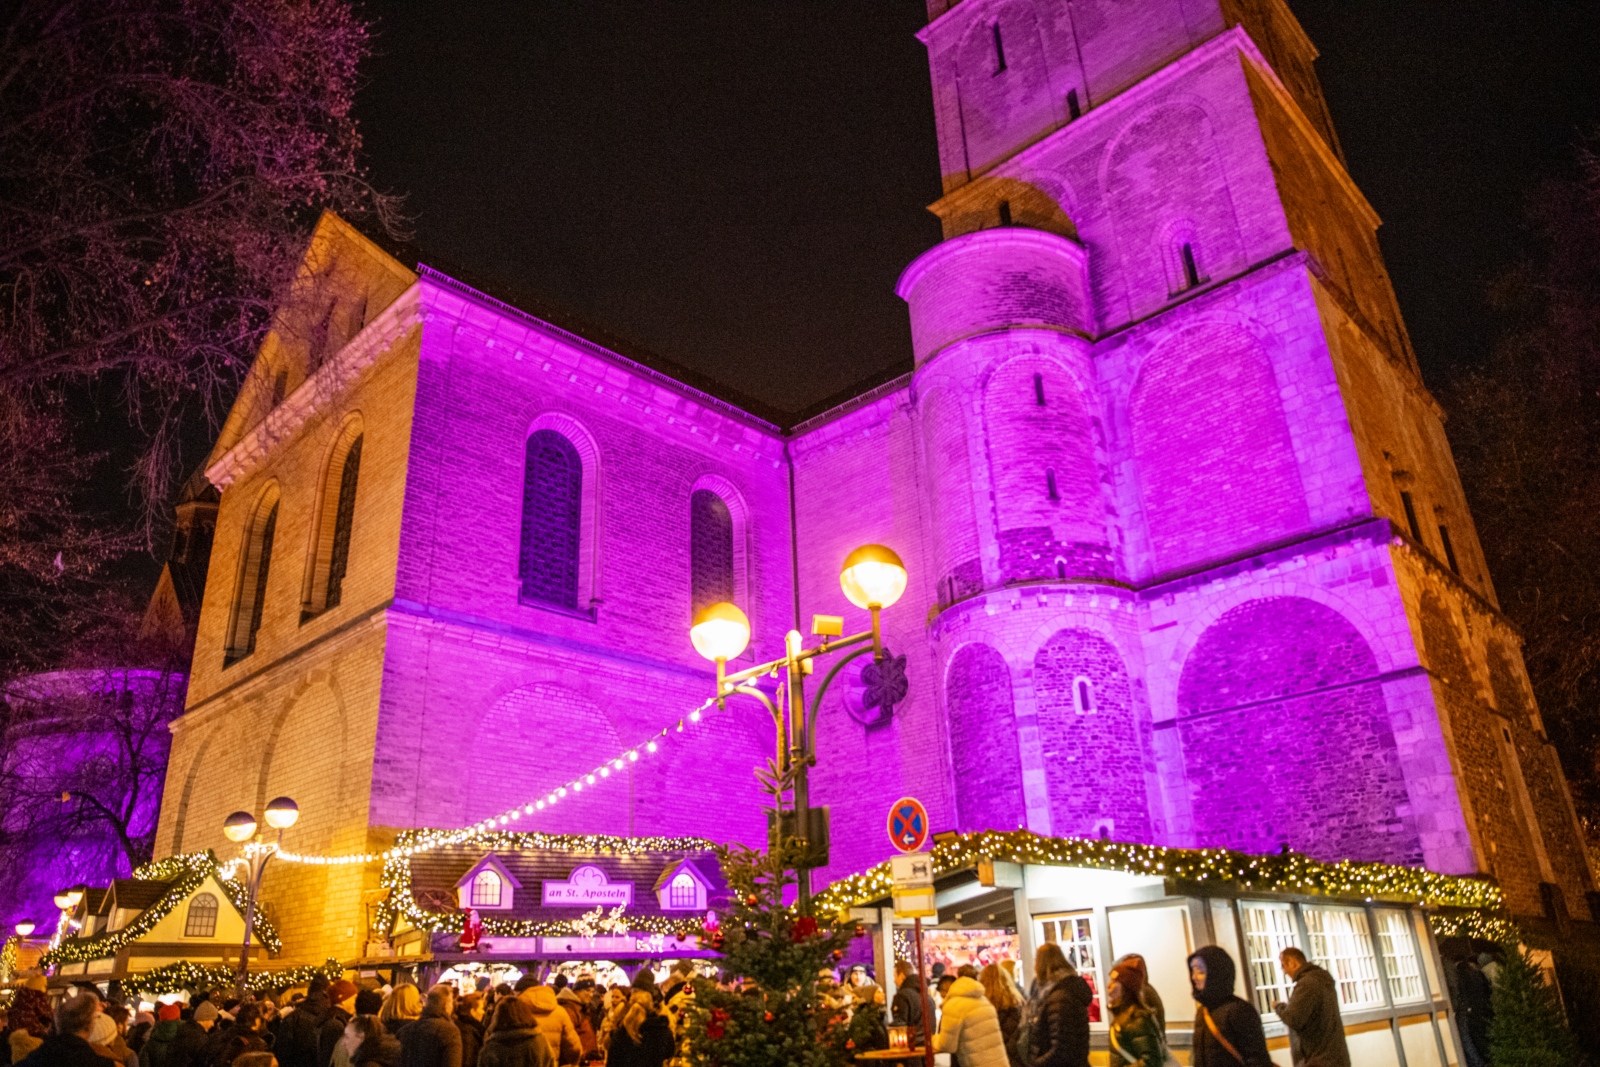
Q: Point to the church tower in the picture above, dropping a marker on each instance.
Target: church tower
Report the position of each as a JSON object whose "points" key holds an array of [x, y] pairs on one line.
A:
{"points": [[1204, 571]]}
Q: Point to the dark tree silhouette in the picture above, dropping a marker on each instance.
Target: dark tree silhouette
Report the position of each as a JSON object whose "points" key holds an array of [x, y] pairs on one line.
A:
{"points": [[161, 162]]}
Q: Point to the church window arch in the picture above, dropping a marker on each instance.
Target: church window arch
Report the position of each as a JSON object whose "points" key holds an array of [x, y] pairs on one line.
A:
{"points": [[250, 592], [329, 559], [201, 918], [552, 510], [711, 550]]}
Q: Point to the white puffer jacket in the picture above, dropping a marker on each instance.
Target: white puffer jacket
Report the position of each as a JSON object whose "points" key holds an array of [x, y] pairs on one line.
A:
{"points": [[969, 1029]]}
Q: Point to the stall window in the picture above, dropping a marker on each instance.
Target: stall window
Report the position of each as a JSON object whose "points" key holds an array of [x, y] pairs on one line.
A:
{"points": [[1400, 961], [201, 920], [486, 889], [1075, 934], [1342, 942], [1268, 930], [682, 892]]}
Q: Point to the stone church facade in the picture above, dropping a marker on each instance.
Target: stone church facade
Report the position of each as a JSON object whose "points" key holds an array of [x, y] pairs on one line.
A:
{"points": [[1190, 560]]}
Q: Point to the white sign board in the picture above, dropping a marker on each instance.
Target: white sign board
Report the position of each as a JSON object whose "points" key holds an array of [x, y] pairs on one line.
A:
{"points": [[914, 871], [588, 887]]}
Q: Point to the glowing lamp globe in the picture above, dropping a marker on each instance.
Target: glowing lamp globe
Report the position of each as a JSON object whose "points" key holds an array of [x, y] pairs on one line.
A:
{"points": [[68, 899], [282, 813], [240, 826], [873, 577], [720, 631], [24, 929]]}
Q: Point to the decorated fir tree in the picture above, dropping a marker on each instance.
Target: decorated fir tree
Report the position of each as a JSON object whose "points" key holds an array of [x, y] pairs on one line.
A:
{"points": [[777, 1012], [1529, 1028]]}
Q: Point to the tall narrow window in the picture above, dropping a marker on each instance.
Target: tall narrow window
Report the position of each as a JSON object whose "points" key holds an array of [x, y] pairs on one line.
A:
{"points": [[552, 502], [251, 595], [999, 49], [1268, 930], [1342, 943], [1411, 516], [710, 550], [1082, 696], [1399, 955], [1449, 549], [1074, 108], [339, 558], [280, 387], [1005, 213], [201, 919], [1050, 485], [1038, 389], [1191, 271]]}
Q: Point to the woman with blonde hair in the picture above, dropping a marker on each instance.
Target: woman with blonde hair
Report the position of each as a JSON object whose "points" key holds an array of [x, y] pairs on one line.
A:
{"points": [[400, 1008], [1003, 993], [644, 1039]]}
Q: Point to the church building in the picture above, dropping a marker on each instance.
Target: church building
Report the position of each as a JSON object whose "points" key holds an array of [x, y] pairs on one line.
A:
{"points": [[1190, 562]]}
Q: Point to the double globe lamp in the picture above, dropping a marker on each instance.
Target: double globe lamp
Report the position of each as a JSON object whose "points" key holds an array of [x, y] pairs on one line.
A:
{"points": [[240, 828]]}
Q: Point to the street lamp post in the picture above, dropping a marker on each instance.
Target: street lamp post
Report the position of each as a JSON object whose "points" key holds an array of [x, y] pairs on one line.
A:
{"points": [[65, 900], [241, 827], [872, 577]]}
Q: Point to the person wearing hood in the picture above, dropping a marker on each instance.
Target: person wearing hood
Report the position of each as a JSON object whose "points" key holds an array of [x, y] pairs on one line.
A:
{"points": [[572, 1003], [174, 1041], [296, 1044], [1316, 1031], [1133, 1033], [515, 1039], [342, 997], [27, 1019], [1227, 1030], [969, 1027], [1060, 1012], [554, 1023], [1149, 998], [433, 1040]]}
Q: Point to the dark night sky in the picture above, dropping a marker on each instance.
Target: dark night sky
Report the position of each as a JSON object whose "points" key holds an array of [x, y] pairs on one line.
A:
{"points": [[736, 186]]}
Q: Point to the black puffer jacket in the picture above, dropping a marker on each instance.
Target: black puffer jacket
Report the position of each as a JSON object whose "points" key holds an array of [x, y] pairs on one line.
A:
{"points": [[1237, 1022], [522, 1047], [1060, 1035], [296, 1045]]}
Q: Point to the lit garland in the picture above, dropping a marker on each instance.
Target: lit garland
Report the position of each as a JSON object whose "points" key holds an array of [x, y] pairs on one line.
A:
{"points": [[183, 975], [184, 875], [401, 904], [1283, 872], [8, 957], [1481, 925], [620, 762]]}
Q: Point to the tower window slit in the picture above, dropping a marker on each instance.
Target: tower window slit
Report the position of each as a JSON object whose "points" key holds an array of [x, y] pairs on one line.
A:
{"points": [[1449, 549], [1191, 271], [1050, 484], [999, 50], [1038, 389], [1005, 213], [1074, 108], [1411, 517]]}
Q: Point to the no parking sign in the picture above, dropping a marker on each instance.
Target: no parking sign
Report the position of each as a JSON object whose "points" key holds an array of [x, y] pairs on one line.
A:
{"points": [[908, 824]]}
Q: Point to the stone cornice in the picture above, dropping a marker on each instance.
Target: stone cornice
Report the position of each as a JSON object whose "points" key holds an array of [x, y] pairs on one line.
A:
{"points": [[319, 390]]}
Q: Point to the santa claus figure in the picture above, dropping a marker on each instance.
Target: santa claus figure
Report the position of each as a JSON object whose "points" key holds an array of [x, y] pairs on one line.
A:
{"points": [[471, 932]]}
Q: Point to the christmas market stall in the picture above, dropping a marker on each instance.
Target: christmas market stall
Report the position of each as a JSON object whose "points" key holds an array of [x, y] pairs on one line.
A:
{"points": [[504, 904], [1372, 926]]}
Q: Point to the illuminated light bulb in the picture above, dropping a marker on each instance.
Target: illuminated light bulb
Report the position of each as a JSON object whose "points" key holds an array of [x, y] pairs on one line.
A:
{"points": [[282, 813], [680, 726], [694, 716], [651, 747], [561, 792], [590, 779], [516, 815], [528, 810], [540, 805], [617, 765], [633, 757], [605, 772], [720, 631], [873, 576], [577, 787]]}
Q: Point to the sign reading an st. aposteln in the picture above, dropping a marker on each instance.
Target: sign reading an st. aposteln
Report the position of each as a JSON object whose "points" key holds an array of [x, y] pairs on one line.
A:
{"points": [[588, 887]]}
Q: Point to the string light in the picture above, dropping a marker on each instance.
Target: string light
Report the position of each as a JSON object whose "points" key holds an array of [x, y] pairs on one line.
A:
{"points": [[177, 977]]}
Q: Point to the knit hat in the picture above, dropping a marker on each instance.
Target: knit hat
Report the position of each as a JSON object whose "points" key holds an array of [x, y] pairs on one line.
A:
{"points": [[206, 1013], [102, 1030], [341, 991], [170, 1011]]}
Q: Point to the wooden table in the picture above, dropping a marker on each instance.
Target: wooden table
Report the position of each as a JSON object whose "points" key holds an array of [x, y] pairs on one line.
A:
{"points": [[879, 1055]]}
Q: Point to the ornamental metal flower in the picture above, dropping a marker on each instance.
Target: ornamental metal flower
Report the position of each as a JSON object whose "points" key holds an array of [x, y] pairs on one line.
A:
{"points": [[883, 686]]}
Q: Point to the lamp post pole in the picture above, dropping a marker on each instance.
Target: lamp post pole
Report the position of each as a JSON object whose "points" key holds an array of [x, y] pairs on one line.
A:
{"points": [[242, 827], [873, 578]]}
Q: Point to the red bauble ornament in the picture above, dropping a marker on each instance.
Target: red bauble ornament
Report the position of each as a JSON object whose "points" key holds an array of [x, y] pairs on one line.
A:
{"points": [[752, 900], [861, 931], [804, 927], [837, 954]]}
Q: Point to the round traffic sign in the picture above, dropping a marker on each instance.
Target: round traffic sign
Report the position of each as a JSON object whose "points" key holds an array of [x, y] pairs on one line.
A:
{"points": [[908, 824]]}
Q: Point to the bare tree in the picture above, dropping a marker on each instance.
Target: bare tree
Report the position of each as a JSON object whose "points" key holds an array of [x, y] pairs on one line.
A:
{"points": [[161, 162]]}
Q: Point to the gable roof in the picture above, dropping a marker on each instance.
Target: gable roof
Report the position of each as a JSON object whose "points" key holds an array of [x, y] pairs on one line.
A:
{"points": [[489, 860], [688, 864]]}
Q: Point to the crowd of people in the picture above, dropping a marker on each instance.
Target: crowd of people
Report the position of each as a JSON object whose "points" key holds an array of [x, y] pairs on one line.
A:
{"points": [[978, 1017]]}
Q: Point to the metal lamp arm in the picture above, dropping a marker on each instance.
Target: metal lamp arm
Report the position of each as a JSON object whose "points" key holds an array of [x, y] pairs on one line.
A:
{"points": [[822, 691]]}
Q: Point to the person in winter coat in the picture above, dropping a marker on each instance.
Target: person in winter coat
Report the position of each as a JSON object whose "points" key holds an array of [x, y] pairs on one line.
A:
{"points": [[515, 1039], [969, 1027], [342, 997], [645, 1038], [554, 1023], [469, 1020], [433, 1040], [400, 1008], [1002, 992], [367, 1043], [1149, 998], [1227, 1030], [1316, 1031], [1135, 1039], [296, 1045], [573, 1005], [173, 1041], [1060, 1012], [27, 1020], [68, 1045], [906, 1008]]}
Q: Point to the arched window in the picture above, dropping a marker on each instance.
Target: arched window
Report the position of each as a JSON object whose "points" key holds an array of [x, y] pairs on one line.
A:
{"points": [[251, 594], [682, 892], [201, 920], [710, 549], [1082, 696], [330, 554], [486, 888], [552, 503]]}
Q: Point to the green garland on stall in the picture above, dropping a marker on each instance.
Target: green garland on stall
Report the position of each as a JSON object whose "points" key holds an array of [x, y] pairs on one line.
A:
{"points": [[1283, 872], [184, 874], [1482, 925], [402, 904], [185, 976]]}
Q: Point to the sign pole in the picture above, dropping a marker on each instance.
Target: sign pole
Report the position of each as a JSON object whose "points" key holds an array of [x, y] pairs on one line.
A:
{"points": [[927, 1002]]}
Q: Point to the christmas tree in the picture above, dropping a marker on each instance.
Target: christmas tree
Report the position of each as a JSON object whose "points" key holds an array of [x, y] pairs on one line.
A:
{"points": [[778, 1011], [1529, 1028]]}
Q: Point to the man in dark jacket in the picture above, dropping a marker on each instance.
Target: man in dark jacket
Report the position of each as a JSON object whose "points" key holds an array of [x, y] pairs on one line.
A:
{"points": [[69, 1045], [1227, 1030], [296, 1045], [330, 1031], [434, 1039], [1316, 1032], [174, 1041], [907, 1006]]}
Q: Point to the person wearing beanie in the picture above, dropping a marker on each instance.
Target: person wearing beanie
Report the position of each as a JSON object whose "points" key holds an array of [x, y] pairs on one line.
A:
{"points": [[1227, 1030], [434, 1039], [341, 1009], [1133, 1034], [206, 1015], [174, 1041]]}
